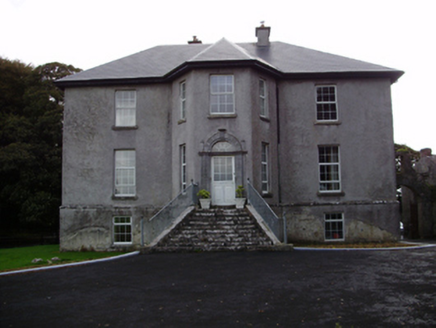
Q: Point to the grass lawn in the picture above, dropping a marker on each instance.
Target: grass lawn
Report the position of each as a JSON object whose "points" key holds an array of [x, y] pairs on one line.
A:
{"points": [[21, 257]]}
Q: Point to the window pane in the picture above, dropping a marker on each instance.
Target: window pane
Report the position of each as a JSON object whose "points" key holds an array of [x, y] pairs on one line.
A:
{"points": [[125, 104], [122, 230], [261, 87], [326, 107], [182, 100], [334, 226], [125, 172], [329, 175], [221, 99], [223, 169]]}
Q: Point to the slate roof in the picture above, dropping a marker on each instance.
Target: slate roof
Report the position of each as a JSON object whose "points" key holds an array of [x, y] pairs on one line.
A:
{"points": [[163, 63]]}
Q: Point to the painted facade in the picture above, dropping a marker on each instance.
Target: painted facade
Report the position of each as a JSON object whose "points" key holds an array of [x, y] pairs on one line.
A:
{"points": [[312, 131]]}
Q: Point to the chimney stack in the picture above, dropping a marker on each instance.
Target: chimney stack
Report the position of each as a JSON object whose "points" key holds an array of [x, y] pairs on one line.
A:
{"points": [[425, 152], [262, 34], [194, 40]]}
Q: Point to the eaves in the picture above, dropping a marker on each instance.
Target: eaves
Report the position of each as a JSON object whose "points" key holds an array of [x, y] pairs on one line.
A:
{"points": [[393, 75]]}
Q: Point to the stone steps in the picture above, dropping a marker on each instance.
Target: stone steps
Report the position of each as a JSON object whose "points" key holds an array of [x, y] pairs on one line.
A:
{"points": [[216, 230]]}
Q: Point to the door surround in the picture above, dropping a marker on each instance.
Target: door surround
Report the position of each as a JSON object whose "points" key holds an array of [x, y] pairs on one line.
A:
{"points": [[222, 143]]}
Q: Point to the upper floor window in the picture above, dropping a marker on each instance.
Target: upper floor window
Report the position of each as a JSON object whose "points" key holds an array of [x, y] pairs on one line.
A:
{"points": [[329, 169], [182, 100], [125, 108], [326, 103], [222, 94], [125, 175], [263, 98]]}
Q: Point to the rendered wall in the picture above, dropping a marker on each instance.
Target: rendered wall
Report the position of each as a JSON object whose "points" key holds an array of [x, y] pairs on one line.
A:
{"points": [[88, 200], [245, 127], [364, 135]]}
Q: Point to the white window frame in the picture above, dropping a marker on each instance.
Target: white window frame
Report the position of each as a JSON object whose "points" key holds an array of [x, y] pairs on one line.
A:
{"points": [[125, 102], [324, 105], [265, 168], [124, 171], [125, 235], [182, 91], [183, 173], [263, 98], [328, 167], [334, 226], [220, 98]]}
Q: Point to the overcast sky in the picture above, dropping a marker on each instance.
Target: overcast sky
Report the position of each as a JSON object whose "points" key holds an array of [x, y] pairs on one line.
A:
{"points": [[394, 33]]}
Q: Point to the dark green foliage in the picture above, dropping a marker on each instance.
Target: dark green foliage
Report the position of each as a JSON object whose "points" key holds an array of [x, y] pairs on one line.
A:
{"points": [[31, 109]]}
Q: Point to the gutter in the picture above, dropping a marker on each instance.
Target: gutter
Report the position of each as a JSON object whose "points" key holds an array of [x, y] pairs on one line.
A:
{"points": [[394, 75]]}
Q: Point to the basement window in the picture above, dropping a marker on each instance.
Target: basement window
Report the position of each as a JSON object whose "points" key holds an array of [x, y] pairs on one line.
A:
{"points": [[334, 226], [122, 226]]}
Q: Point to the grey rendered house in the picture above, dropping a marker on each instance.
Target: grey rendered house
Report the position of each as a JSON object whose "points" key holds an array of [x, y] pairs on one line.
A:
{"points": [[312, 132]]}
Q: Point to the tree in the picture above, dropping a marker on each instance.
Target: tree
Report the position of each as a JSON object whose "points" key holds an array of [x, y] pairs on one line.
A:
{"points": [[31, 109]]}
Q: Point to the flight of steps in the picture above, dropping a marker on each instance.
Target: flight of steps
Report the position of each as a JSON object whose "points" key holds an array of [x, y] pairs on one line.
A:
{"points": [[217, 229]]}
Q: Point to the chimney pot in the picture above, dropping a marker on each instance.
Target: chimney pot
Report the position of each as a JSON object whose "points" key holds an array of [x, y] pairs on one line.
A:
{"points": [[194, 40]]}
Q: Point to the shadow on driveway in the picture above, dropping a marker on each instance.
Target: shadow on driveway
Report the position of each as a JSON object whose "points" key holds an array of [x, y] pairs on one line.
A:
{"points": [[242, 289]]}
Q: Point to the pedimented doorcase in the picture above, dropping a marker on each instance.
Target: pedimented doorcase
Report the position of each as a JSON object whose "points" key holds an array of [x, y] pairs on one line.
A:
{"points": [[222, 167]]}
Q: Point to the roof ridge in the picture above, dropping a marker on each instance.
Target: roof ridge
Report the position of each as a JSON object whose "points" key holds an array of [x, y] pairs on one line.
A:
{"points": [[240, 50], [245, 52], [203, 51]]}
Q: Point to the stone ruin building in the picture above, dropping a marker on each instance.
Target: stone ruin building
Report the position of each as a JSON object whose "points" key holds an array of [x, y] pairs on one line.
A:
{"points": [[416, 175]]}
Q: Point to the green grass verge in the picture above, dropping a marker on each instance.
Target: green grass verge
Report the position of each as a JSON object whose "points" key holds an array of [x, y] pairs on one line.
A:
{"points": [[21, 257]]}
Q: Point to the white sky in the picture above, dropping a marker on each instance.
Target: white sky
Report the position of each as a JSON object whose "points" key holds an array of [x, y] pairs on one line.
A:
{"points": [[399, 34]]}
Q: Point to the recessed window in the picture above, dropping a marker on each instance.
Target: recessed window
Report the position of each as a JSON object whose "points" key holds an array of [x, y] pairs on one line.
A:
{"points": [[329, 169], [183, 100], [334, 226], [264, 168], [263, 100], [222, 94], [122, 227], [125, 108], [125, 180], [326, 103], [183, 167]]}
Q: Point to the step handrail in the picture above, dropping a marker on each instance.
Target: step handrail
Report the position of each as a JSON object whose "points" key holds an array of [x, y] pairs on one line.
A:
{"points": [[154, 226], [267, 214]]}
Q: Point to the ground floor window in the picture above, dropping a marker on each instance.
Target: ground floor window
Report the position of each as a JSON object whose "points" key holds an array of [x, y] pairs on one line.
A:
{"points": [[183, 167], [125, 180], [334, 226], [329, 170], [265, 169], [122, 230]]}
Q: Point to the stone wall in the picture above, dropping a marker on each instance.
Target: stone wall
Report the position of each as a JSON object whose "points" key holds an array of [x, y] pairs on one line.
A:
{"points": [[417, 177]]}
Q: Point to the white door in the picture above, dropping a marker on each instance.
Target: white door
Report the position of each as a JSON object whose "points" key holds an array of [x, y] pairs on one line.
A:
{"points": [[223, 180]]}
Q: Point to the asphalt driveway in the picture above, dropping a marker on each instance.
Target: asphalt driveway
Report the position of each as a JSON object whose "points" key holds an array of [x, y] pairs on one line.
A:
{"points": [[246, 289]]}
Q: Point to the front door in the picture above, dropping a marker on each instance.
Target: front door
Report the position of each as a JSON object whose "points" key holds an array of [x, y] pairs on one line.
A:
{"points": [[223, 180]]}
